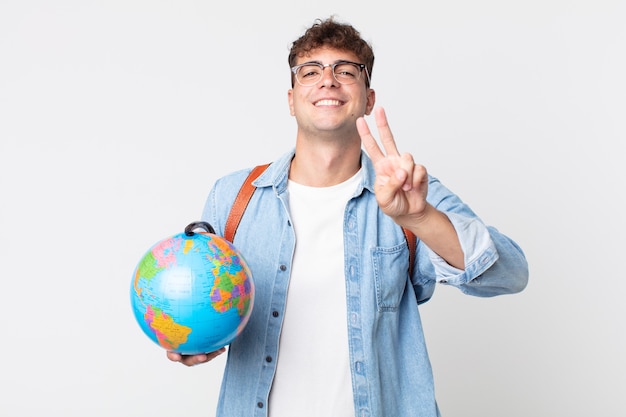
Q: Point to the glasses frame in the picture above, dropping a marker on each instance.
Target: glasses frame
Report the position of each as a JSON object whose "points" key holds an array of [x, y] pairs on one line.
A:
{"points": [[362, 67]]}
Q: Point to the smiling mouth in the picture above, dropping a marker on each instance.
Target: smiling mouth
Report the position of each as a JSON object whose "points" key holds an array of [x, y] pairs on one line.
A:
{"points": [[328, 103]]}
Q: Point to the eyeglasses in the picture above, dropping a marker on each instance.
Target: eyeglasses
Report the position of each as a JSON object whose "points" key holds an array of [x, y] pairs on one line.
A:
{"points": [[345, 72]]}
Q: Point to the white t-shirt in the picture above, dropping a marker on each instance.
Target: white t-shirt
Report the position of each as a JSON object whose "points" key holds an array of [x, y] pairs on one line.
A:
{"points": [[313, 369]]}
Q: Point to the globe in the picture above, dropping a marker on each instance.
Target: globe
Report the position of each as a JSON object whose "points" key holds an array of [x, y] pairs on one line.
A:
{"points": [[192, 292]]}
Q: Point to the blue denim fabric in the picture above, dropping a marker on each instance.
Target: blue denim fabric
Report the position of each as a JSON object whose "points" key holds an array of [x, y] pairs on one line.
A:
{"points": [[391, 371]]}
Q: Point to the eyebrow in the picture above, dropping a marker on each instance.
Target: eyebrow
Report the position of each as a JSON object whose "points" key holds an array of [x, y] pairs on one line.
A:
{"points": [[336, 62]]}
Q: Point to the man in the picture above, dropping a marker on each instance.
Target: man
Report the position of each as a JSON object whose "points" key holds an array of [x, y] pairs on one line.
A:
{"points": [[335, 329]]}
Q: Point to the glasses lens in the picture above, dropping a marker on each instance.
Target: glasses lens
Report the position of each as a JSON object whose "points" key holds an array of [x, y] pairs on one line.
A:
{"points": [[309, 74], [347, 73]]}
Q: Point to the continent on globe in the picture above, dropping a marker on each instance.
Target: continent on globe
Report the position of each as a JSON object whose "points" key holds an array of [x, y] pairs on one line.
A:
{"points": [[192, 292], [169, 334]]}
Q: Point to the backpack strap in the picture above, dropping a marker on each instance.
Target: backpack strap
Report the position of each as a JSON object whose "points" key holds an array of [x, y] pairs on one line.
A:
{"points": [[411, 241], [245, 194], [241, 202]]}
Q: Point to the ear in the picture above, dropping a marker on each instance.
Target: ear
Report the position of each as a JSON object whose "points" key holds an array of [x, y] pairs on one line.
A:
{"points": [[290, 100], [371, 100]]}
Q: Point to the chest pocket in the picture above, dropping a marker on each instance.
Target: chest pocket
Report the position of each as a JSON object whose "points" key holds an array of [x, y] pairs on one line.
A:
{"points": [[391, 267]]}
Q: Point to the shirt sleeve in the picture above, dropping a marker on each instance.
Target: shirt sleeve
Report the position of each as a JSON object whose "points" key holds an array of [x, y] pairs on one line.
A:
{"points": [[478, 248]]}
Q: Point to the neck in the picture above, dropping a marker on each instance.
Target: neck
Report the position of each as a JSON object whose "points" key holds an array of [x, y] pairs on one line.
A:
{"points": [[324, 164]]}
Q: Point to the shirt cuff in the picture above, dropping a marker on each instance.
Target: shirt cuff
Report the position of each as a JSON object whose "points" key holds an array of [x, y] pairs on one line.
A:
{"points": [[478, 249]]}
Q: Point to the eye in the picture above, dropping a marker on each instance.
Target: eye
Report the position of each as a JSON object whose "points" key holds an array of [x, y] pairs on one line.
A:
{"points": [[347, 71], [309, 71]]}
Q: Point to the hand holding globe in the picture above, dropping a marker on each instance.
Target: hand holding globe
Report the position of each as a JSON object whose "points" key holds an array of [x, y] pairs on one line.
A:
{"points": [[192, 294]]}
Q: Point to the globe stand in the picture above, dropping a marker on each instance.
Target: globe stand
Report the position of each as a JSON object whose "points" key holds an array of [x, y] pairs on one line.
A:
{"points": [[189, 230]]}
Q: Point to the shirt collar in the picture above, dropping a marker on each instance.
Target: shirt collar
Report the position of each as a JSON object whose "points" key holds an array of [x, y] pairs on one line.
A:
{"points": [[277, 174]]}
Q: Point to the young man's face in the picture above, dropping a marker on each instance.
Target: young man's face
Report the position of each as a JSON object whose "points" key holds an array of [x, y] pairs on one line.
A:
{"points": [[330, 105]]}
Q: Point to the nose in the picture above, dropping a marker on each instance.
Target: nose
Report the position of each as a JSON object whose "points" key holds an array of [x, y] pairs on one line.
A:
{"points": [[328, 77]]}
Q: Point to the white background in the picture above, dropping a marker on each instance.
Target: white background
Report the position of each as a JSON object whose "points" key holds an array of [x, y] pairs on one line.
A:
{"points": [[116, 116]]}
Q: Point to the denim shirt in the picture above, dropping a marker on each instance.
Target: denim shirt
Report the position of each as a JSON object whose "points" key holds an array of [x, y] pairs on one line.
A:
{"points": [[391, 371]]}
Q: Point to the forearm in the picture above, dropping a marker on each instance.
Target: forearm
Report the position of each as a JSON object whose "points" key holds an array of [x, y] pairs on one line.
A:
{"points": [[436, 231]]}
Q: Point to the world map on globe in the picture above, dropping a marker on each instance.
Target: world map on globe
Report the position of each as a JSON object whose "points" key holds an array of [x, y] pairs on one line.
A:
{"points": [[192, 293]]}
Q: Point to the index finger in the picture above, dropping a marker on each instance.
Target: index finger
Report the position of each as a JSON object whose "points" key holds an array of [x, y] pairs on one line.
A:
{"points": [[368, 141]]}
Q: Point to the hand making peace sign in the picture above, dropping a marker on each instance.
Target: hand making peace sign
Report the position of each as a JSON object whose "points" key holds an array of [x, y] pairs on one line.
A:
{"points": [[401, 185]]}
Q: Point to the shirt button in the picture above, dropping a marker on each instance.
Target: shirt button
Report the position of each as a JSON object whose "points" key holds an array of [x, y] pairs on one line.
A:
{"points": [[275, 313], [259, 404], [283, 267], [268, 359]]}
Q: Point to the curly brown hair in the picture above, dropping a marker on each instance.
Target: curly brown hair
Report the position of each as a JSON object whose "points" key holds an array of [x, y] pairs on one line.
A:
{"points": [[336, 35]]}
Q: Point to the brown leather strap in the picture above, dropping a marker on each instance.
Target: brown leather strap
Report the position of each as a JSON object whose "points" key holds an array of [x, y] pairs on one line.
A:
{"points": [[241, 202], [411, 240]]}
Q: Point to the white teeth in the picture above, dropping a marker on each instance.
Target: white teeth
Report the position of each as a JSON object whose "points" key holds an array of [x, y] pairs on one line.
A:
{"points": [[327, 103]]}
